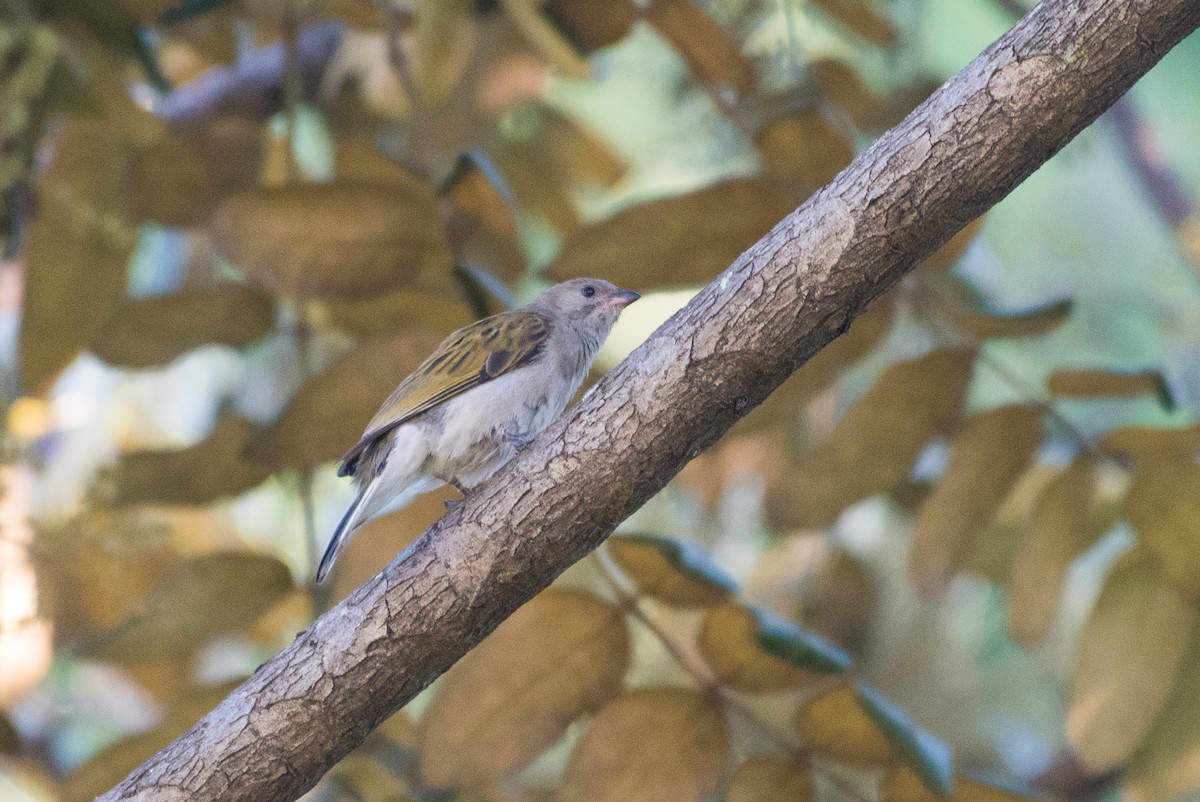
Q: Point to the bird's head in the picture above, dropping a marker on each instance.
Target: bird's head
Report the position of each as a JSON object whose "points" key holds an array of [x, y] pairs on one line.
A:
{"points": [[589, 301]]}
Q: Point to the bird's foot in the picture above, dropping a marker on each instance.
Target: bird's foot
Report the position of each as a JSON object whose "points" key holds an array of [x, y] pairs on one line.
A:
{"points": [[520, 440], [451, 503]]}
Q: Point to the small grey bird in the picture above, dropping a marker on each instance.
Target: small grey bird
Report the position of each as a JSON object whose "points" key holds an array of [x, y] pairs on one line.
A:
{"points": [[486, 391]]}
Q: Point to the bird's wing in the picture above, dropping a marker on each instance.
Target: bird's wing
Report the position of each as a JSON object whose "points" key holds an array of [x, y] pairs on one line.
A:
{"points": [[471, 356]]}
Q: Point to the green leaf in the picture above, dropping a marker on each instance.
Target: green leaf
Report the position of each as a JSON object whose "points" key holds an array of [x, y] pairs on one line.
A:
{"points": [[793, 643], [925, 754]]}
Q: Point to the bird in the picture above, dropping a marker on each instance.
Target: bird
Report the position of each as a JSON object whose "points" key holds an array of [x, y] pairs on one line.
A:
{"points": [[484, 393]]}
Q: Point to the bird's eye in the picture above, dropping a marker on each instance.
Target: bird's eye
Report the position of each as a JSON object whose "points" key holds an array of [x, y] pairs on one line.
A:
{"points": [[588, 291]]}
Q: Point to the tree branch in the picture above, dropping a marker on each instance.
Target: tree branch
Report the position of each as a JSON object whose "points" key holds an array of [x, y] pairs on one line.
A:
{"points": [[957, 154]]}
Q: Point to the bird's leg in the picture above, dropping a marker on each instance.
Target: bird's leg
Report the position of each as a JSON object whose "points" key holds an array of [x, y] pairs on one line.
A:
{"points": [[451, 503], [520, 440]]}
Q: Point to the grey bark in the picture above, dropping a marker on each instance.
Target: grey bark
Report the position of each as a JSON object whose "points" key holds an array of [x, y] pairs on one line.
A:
{"points": [[956, 155]]}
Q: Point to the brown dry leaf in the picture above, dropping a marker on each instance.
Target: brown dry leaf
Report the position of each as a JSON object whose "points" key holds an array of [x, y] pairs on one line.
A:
{"points": [[676, 572], [729, 641], [334, 242], [329, 413], [865, 332], [901, 784], [106, 85], [988, 456], [577, 152], [1055, 534], [1163, 504], [590, 25], [772, 779], [711, 54], [877, 441], [444, 37], [946, 256], [1167, 766], [198, 600], [211, 469], [403, 309], [476, 188], [839, 601], [78, 251], [806, 147], [151, 332], [563, 654], [984, 323], [839, 84], [650, 745], [834, 725], [687, 239], [1145, 443], [111, 764], [545, 39], [180, 179], [1086, 383], [357, 160], [1128, 660], [861, 17]]}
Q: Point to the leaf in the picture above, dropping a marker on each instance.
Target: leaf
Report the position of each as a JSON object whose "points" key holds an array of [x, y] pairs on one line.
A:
{"points": [[1128, 660], [756, 652], [10, 740], [403, 309], [927, 756], [335, 242], [772, 779], [711, 54], [1110, 384], [804, 146], [903, 785], [77, 254], [877, 441], [563, 654], [688, 239], [590, 25], [151, 332], [1056, 531], [1163, 504], [545, 39], [198, 600], [106, 85], [984, 323], [988, 456], [111, 764], [835, 725], [865, 333], [838, 83], [329, 413], [650, 745], [180, 179], [861, 17], [477, 187], [207, 471], [676, 572], [1167, 765], [946, 256], [1147, 443]]}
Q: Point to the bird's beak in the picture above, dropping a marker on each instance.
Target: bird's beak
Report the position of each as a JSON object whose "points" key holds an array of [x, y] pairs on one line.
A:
{"points": [[624, 298]]}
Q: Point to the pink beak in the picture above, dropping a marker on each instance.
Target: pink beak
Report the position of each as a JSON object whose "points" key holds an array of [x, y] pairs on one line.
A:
{"points": [[624, 298]]}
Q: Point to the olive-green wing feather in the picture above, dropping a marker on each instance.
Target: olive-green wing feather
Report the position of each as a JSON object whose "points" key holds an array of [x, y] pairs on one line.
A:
{"points": [[471, 356]]}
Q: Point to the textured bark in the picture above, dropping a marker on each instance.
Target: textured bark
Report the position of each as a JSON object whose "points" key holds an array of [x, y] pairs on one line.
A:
{"points": [[959, 153]]}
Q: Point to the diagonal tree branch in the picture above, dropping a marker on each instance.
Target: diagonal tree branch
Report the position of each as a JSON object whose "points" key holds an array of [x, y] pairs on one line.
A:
{"points": [[960, 152]]}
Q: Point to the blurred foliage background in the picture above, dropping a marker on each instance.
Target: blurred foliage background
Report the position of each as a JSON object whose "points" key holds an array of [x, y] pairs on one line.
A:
{"points": [[970, 526]]}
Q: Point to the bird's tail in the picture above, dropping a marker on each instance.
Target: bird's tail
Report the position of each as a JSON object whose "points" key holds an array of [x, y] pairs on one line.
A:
{"points": [[345, 529]]}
